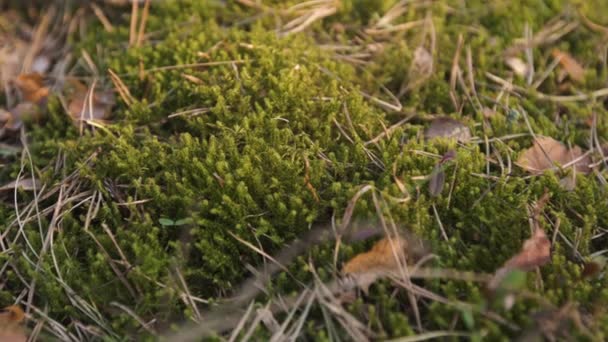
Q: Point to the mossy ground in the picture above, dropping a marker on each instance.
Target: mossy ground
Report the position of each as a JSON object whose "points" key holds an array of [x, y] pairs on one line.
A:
{"points": [[279, 146]]}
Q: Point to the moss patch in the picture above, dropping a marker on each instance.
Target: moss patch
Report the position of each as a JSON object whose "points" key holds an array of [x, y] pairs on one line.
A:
{"points": [[264, 136]]}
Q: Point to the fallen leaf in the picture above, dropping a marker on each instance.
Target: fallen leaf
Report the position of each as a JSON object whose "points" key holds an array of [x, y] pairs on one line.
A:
{"points": [[519, 67], [546, 151], [535, 252], [420, 69], [26, 184], [448, 128], [383, 258], [11, 121], [97, 108], [594, 267], [422, 65], [570, 65], [437, 180], [11, 318], [32, 88]]}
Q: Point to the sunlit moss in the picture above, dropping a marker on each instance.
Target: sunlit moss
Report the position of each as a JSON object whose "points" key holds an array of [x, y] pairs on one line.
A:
{"points": [[266, 157]]}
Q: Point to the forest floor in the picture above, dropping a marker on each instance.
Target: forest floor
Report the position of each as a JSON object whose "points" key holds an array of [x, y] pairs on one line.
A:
{"points": [[304, 170]]}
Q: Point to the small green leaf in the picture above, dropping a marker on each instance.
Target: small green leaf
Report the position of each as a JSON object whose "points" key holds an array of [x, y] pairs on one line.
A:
{"points": [[166, 222], [183, 221]]}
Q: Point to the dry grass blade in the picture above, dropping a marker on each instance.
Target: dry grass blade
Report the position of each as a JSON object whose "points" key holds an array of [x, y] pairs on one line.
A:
{"points": [[142, 24], [122, 89], [309, 12], [107, 25], [133, 26]]}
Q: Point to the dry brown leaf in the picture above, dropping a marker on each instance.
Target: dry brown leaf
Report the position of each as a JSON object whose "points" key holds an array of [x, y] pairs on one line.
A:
{"points": [[570, 65], [519, 67], [546, 151], [32, 87], [11, 121], [11, 318], [26, 184], [383, 258], [81, 107], [422, 65], [448, 128], [535, 252]]}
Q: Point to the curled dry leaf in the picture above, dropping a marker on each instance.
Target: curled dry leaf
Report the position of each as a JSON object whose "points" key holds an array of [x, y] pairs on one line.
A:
{"points": [[11, 318], [535, 252], [384, 257], [437, 178], [98, 108], [448, 128], [546, 151], [519, 67], [32, 88], [570, 65]]}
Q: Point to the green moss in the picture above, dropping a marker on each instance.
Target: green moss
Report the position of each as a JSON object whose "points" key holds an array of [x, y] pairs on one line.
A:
{"points": [[278, 118]]}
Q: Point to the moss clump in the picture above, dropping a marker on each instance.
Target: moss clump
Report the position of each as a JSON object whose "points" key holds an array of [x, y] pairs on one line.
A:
{"points": [[262, 137]]}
